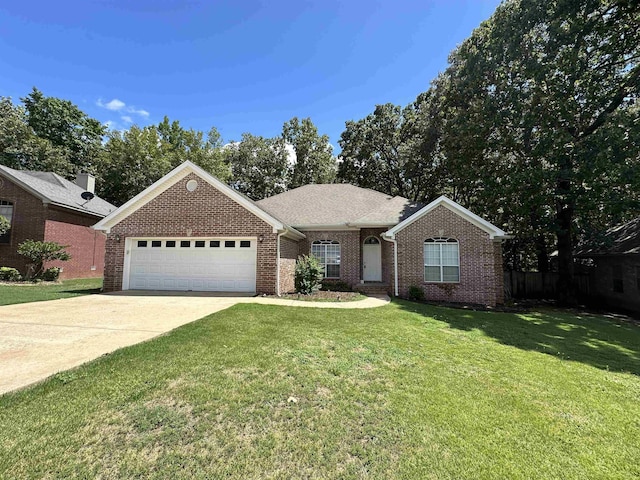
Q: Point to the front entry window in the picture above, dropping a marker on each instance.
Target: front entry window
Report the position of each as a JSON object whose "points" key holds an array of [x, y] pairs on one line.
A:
{"points": [[328, 252]]}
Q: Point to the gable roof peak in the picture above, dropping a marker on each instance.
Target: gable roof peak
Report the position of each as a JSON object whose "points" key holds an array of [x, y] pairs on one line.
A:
{"points": [[493, 231]]}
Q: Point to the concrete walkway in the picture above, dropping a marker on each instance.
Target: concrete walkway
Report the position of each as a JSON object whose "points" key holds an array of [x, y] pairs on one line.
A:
{"points": [[40, 339]]}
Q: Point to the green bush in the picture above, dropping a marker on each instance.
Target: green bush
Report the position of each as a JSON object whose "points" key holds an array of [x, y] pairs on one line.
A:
{"points": [[308, 274], [9, 274], [40, 253], [335, 286], [51, 274], [416, 293]]}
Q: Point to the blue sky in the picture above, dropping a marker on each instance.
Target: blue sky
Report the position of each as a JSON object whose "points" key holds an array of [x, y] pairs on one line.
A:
{"points": [[241, 66]]}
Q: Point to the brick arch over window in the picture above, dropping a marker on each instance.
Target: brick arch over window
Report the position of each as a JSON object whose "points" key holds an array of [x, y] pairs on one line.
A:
{"points": [[328, 252], [441, 260], [6, 210]]}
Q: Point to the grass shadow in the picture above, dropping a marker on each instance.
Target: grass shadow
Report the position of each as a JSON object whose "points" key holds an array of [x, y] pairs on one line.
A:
{"points": [[82, 291], [601, 342]]}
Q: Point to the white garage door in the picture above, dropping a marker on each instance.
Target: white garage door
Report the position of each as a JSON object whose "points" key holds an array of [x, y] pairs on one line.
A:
{"points": [[199, 265]]}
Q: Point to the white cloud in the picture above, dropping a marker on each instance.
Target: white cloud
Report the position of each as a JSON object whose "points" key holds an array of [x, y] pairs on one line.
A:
{"points": [[127, 119], [117, 105], [142, 113], [113, 105]]}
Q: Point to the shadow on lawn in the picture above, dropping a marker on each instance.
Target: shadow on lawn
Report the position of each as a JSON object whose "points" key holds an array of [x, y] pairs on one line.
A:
{"points": [[593, 340], [83, 291]]}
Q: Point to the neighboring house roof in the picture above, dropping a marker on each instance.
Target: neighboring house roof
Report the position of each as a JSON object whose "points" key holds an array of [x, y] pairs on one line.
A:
{"points": [[173, 177], [53, 189], [493, 231], [337, 205], [622, 239]]}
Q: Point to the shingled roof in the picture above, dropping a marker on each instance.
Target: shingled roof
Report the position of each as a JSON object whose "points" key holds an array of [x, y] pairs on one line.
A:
{"points": [[52, 188], [337, 204], [622, 239]]}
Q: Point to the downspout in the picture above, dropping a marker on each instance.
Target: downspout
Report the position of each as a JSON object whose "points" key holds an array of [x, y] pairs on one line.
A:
{"points": [[278, 262], [393, 240]]}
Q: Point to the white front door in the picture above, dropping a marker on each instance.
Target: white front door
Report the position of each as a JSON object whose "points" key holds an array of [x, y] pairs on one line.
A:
{"points": [[188, 264], [372, 260]]}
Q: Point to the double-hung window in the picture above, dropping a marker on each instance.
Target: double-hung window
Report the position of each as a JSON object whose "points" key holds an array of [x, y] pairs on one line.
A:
{"points": [[441, 260], [328, 253]]}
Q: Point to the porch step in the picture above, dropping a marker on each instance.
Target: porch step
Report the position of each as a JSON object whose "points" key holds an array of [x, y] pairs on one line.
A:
{"points": [[377, 288]]}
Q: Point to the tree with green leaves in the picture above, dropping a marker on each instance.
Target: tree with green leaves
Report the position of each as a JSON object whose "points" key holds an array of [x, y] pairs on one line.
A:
{"points": [[134, 159], [315, 162], [260, 166], [39, 253], [537, 109], [67, 127], [22, 149], [387, 151]]}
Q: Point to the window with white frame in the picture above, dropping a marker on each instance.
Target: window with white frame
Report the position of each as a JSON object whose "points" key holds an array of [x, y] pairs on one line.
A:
{"points": [[441, 260], [328, 252], [6, 210]]}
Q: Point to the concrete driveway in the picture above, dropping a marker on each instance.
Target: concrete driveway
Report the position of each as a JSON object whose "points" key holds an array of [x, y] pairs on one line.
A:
{"points": [[40, 339]]}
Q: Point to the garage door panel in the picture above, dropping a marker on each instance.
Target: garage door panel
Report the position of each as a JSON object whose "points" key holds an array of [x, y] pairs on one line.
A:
{"points": [[193, 268]]}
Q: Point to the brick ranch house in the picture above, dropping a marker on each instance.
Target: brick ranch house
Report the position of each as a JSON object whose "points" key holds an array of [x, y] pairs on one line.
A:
{"points": [[189, 231], [43, 206]]}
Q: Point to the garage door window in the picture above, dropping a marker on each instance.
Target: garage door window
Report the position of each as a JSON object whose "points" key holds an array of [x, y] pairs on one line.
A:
{"points": [[245, 244], [170, 244], [156, 243], [199, 243], [142, 243], [214, 243], [230, 244], [185, 243]]}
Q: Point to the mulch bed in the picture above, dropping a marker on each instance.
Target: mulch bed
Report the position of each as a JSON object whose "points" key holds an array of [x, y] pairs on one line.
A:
{"points": [[325, 296], [27, 283]]}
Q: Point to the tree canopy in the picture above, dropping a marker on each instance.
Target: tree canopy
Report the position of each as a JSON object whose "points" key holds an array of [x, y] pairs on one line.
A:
{"points": [[534, 125], [315, 162]]}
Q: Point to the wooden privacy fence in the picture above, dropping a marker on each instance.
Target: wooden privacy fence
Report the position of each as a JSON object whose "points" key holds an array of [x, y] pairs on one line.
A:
{"points": [[540, 285]]}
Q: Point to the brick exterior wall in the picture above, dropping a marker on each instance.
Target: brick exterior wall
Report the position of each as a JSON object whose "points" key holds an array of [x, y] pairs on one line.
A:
{"points": [[288, 256], [206, 212], [27, 223], [478, 269], [602, 282], [36, 221], [85, 245], [350, 265]]}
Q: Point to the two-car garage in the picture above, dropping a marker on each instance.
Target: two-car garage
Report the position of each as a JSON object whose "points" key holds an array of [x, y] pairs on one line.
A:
{"points": [[191, 264]]}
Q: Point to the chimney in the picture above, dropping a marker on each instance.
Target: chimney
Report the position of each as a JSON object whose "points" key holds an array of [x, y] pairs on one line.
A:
{"points": [[86, 181]]}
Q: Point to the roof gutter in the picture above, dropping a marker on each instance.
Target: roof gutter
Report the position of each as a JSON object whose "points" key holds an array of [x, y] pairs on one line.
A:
{"points": [[77, 209]]}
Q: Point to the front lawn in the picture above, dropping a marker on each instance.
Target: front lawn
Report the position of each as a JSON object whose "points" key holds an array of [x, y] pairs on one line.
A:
{"points": [[37, 292], [403, 391]]}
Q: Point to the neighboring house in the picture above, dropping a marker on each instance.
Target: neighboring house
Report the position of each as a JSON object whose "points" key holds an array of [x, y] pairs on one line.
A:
{"points": [[44, 206], [615, 280], [189, 231]]}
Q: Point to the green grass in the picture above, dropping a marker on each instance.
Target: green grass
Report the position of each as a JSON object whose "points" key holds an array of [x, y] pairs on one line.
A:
{"points": [[403, 391], [37, 292]]}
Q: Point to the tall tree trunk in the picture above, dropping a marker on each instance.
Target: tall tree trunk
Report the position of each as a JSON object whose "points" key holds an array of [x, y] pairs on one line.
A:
{"points": [[541, 254], [564, 233]]}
